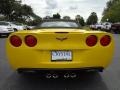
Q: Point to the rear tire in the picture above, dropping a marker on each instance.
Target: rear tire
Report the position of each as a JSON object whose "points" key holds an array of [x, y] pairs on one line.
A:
{"points": [[116, 31], [99, 28], [15, 30], [0, 36], [24, 72], [28, 28], [19, 71]]}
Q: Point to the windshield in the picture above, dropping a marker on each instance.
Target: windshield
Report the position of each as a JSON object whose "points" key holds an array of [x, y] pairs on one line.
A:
{"points": [[58, 24], [20, 24], [4, 23]]}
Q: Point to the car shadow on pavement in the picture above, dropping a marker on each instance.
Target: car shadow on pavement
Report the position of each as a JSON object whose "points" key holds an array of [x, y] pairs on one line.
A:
{"points": [[86, 81]]}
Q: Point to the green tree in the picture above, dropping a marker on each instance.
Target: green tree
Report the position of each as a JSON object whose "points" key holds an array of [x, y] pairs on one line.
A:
{"points": [[21, 12], [56, 16], [36, 20], [112, 12], [80, 20], [110, 4], [92, 19], [6, 7], [15, 11]]}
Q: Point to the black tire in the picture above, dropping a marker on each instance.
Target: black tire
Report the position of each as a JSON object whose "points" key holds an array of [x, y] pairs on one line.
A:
{"points": [[116, 31], [111, 31], [0, 36], [23, 72], [96, 71], [99, 28], [28, 28], [19, 71], [15, 30]]}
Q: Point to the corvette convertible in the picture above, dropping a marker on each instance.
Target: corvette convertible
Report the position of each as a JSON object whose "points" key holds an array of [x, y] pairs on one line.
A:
{"points": [[59, 46]]}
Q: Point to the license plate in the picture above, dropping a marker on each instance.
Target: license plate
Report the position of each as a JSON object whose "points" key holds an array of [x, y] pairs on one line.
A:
{"points": [[61, 55]]}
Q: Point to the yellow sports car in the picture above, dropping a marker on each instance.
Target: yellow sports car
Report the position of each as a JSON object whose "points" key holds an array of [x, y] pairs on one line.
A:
{"points": [[59, 46]]}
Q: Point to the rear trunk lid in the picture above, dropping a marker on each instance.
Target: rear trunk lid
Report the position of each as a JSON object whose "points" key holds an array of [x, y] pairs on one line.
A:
{"points": [[60, 39]]}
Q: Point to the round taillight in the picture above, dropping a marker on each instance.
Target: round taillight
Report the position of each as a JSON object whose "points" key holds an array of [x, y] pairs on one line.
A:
{"points": [[105, 40], [30, 41], [91, 40], [15, 41]]}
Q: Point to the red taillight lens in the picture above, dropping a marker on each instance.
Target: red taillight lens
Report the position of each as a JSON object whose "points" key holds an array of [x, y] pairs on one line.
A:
{"points": [[30, 41], [15, 41], [105, 40], [91, 40]]}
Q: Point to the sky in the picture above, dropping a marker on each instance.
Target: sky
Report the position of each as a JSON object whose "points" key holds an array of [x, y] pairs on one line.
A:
{"points": [[67, 7]]}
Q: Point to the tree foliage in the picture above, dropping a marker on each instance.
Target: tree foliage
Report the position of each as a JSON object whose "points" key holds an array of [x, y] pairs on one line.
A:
{"points": [[80, 20], [15, 11], [21, 12], [56, 16], [112, 11], [6, 7], [92, 19], [37, 20]]}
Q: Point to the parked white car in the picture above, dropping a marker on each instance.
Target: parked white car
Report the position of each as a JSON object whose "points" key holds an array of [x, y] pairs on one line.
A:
{"points": [[96, 26], [106, 26], [31, 27], [92, 27], [17, 26], [5, 29]]}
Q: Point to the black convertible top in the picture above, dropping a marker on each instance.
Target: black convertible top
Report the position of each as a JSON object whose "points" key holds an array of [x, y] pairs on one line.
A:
{"points": [[59, 20], [53, 20]]}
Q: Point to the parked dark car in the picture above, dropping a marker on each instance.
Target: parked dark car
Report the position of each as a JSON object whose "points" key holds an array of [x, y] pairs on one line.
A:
{"points": [[115, 27]]}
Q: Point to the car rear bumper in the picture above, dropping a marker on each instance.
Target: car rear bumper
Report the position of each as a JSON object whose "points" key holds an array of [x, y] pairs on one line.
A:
{"points": [[63, 70], [42, 59]]}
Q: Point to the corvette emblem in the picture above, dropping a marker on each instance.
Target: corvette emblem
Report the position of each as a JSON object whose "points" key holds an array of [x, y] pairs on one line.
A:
{"points": [[61, 39]]}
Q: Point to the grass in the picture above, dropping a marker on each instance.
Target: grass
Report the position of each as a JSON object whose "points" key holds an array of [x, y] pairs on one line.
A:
{"points": [[86, 28]]}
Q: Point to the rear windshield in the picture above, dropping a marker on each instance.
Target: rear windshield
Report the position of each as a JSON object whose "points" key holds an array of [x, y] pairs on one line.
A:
{"points": [[58, 24], [4, 23]]}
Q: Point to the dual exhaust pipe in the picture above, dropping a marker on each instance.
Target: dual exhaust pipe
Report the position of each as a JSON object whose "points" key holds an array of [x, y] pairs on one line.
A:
{"points": [[66, 75], [55, 76], [72, 75]]}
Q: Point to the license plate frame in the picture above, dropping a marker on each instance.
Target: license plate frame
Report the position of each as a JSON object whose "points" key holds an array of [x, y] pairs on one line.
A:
{"points": [[68, 55]]}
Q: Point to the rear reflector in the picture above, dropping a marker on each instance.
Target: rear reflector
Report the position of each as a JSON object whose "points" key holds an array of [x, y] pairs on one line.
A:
{"points": [[91, 40], [15, 41], [30, 41], [105, 40]]}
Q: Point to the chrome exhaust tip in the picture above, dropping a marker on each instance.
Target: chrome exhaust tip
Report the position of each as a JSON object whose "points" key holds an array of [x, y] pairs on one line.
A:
{"points": [[73, 75], [66, 75], [55, 76], [48, 76]]}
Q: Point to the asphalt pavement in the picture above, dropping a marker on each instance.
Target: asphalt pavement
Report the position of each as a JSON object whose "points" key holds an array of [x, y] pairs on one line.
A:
{"points": [[107, 80]]}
